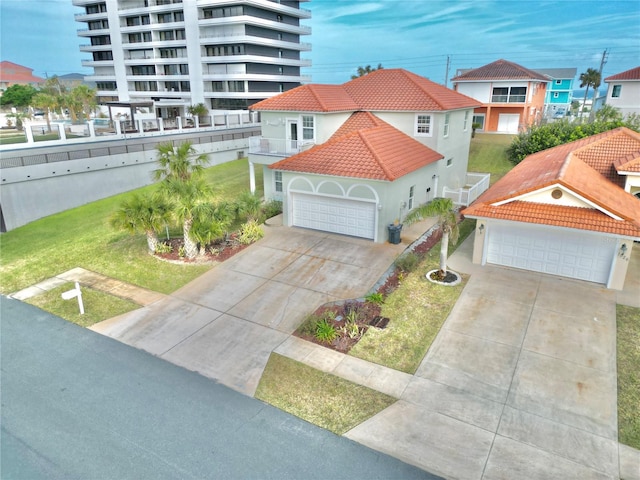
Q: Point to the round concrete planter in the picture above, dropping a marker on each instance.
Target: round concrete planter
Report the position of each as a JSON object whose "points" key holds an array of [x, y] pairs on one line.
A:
{"points": [[455, 280]]}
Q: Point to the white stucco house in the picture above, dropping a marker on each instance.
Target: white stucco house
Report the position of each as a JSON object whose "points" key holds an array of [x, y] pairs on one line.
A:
{"points": [[623, 91], [356, 157], [572, 210]]}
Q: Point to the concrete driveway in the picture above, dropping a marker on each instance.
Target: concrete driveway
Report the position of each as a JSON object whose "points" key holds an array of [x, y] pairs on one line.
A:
{"points": [[519, 383], [226, 323]]}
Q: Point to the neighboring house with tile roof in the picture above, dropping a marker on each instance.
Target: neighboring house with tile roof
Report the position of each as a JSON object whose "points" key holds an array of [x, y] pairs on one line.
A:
{"points": [[14, 74], [623, 91], [512, 96], [557, 102], [354, 158], [572, 210]]}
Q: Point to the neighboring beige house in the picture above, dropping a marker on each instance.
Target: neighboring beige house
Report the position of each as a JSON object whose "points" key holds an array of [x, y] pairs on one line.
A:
{"points": [[623, 91], [356, 157], [512, 96], [572, 210]]}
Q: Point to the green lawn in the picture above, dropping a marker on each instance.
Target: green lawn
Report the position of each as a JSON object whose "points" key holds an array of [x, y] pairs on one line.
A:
{"points": [[628, 355], [417, 309], [98, 306], [487, 154], [317, 397], [82, 237]]}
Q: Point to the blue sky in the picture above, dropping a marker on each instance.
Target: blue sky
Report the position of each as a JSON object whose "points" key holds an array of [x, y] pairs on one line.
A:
{"points": [[417, 35]]}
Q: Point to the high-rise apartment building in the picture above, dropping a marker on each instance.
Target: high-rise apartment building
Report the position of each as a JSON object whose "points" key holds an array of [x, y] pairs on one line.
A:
{"points": [[226, 54]]}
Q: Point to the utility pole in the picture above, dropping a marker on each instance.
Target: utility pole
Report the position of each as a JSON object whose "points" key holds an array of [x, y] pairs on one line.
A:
{"points": [[603, 60], [446, 75]]}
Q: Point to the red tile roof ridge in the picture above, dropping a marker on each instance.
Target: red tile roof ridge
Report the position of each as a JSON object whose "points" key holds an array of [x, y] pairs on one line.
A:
{"points": [[631, 74], [485, 72]]}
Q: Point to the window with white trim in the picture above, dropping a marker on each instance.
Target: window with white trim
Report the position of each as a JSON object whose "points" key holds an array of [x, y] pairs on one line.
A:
{"points": [[423, 125], [308, 131], [447, 118], [466, 120], [556, 94], [558, 82], [615, 93], [411, 190], [277, 178]]}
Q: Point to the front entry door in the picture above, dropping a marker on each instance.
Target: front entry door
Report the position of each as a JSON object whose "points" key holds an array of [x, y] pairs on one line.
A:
{"points": [[292, 136]]}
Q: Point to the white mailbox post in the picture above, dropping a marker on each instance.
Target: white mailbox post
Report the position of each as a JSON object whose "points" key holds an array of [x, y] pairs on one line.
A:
{"points": [[69, 294]]}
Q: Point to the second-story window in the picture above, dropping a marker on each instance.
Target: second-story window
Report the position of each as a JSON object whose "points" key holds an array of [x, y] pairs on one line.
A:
{"points": [[466, 120], [423, 125], [447, 119], [411, 190], [509, 95], [615, 93], [308, 131]]}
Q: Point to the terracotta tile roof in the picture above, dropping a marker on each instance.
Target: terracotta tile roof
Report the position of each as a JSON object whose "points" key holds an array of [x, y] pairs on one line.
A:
{"points": [[386, 89], [603, 153], [13, 73], [400, 90], [500, 70], [580, 167], [364, 147], [633, 74], [629, 163], [559, 216], [310, 98]]}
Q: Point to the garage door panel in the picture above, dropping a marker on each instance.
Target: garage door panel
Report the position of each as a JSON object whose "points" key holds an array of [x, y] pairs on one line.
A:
{"points": [[336, 215], [571, 254]]}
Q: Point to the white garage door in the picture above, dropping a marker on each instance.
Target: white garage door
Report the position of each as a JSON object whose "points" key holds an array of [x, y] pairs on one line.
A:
{"points": [[336, 215], [566, 253], [508, 122]]}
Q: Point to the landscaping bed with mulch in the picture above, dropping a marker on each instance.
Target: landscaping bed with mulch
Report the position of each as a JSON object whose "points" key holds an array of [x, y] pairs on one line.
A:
{"points": [[340, 325], [217, 251]]}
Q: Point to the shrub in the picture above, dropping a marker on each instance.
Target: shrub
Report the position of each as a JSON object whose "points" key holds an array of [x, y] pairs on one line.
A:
{"points": [[351, 330], [272, 208], [408, 263], [250, 232], [375, 297], [325, 331], [164, 247]]}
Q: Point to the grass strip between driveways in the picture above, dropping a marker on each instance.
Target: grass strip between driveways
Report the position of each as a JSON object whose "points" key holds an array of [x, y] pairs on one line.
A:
{"points": [[417, 309], [628, 353], [318, 397], [98, 306]]}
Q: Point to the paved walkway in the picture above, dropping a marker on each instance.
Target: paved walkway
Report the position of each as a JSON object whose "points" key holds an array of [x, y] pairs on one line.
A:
{"points": [[520, 382]]}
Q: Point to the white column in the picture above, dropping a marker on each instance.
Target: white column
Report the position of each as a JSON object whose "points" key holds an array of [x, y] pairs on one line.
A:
{"points": [[252, 177], [63, 134]]}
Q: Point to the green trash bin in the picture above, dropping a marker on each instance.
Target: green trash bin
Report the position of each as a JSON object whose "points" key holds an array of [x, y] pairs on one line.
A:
{"points": [[394, 233]]}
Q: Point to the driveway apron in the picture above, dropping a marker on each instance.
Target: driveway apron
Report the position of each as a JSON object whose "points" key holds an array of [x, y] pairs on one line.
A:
{"points": [[226, 323], [519, 383]]}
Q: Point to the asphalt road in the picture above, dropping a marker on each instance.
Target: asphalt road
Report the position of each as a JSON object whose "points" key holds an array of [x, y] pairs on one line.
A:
{"points": [[79, 405]]}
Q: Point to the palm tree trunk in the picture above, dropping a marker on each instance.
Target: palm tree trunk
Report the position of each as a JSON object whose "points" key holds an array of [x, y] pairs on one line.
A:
{"points": [[152, 241], [190, 247], [444, 251]]}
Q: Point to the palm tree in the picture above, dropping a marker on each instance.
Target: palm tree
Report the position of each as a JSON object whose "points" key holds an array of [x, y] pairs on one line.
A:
{"points": [[179, 161], [48, 102], [190, 202], [249, 206], [447, 220], [83, 99], [590, 78], [142, 214], [199, 110], [211, 223], [362, 71]]}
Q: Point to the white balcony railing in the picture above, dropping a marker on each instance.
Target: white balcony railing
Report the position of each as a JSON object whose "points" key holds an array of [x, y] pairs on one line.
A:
{"points": [[278, 147], [476, 185]]}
